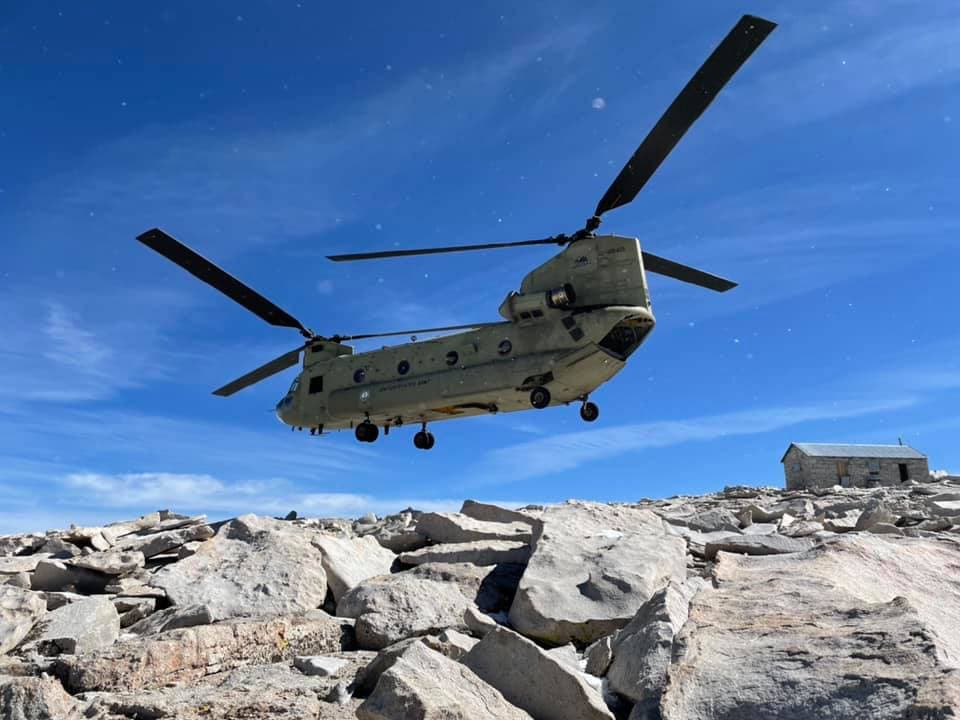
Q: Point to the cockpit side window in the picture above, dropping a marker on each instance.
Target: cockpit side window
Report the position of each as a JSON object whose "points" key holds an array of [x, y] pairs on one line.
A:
{"points": [[294, 386]]}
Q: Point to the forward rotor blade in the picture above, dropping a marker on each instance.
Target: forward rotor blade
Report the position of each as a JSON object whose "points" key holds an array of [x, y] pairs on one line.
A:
{"points": [[730, 55], [201, 268], [558, 240], [685, 273], [339, 338], [261, 373]]}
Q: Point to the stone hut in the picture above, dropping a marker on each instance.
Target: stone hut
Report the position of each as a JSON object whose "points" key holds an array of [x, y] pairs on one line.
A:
{"points": [[812, 465]]}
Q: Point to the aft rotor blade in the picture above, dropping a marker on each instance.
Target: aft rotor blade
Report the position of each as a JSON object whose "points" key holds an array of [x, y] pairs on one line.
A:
{"points": [[339, 338], [730, 55], [558, 240], [261, 373], [685, 273], [201, 268]]}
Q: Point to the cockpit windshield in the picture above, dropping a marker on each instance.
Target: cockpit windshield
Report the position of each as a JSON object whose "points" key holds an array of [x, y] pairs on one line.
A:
{"points": [[293, 386]]}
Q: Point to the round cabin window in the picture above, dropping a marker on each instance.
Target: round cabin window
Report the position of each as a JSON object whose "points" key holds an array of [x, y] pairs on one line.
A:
{"points": [[505, 347], [453, 357], [359, 375], [403, 367]]}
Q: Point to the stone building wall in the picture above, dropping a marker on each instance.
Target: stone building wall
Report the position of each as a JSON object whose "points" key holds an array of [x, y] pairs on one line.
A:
{"points": [[803, 471]]}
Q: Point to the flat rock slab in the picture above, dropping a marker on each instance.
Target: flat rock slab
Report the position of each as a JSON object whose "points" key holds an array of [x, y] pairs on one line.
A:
{"points": [[80, 627], [422, 683], [349, 561], [546, 687], [56, 575], [163, 542], [320, 665], [19, 564], [393, 607], [783, 636], [479, 552], [110, 562], [254, 567], [459, 528], [173, 618], [757, 545], [19, 612], [493, 513], [592, 568], [187, 655], [491, 587], [252, 693]]}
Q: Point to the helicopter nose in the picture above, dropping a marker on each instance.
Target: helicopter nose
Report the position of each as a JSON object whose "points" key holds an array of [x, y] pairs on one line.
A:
{"points": [[281, 409]]}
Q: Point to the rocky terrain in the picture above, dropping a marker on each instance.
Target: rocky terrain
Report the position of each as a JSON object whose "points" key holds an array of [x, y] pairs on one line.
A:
{"points": [[748, 603]]}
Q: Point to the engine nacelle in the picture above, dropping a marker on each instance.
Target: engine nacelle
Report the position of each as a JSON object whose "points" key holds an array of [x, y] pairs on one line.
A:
{"points": [[518, 307]]}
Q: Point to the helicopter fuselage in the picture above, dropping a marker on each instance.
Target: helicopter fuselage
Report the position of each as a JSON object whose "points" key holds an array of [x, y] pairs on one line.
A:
{"points": [[572, 326]]}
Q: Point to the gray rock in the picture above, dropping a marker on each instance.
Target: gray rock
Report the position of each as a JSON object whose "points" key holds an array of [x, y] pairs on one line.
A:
{"points": [[163, 542], [320, 665], [33, 698], [21, 544], [114, 531], [479, 552], [715, 520], [16, 564], [762, 528], [757, 545], [79, 627], [422, 684], [133, 610], [477, 622], [592, 568], [179, 616], [802, 528], [58, 548], [531, 679], [133, 587], [190, 654], [874, 513], [493, 513], [816, 634], [599, 655], [254, 692], [944, 508], [59, 599], [642, 651], [459, 528], [20, 610], [20, 580], [368, 676], [492, 588], [885, 529], [394, 607], [398, 533], [56, 575], [254, 567], [111, 562], [450, 643], [349, 561]]}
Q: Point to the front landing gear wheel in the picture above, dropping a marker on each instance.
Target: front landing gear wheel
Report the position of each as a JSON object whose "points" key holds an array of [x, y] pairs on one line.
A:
{"points": [[423, 440], [539, 397], [589, 412], [367, 432]]}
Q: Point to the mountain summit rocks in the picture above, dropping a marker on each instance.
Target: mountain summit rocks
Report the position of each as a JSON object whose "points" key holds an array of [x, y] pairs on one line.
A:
{"points": [[748, 603]]}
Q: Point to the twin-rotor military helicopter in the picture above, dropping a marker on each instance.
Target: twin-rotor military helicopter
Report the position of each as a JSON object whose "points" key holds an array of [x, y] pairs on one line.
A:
{"points": [[572, 326]]}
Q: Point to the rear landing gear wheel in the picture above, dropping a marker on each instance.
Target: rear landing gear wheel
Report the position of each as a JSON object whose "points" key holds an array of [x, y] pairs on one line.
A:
{"points": [[589, 412], [367, 432], [539, 397], [423, 440]]}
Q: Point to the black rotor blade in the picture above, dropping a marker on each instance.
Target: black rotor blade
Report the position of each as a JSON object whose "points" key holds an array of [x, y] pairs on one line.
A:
{"points": [[689, 105], [685, 273], [558, 240], [339, 338], [201, 268], [261, 373]]}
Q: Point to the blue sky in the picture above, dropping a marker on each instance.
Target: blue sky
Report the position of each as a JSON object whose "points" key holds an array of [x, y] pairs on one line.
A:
{"points": [[823, 179]]}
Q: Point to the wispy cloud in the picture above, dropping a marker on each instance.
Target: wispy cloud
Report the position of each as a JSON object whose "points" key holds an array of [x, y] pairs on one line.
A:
{"points": [[567, 451]]}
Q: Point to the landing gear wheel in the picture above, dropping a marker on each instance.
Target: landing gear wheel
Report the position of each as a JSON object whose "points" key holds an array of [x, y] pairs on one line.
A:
{"points": [[367, 432], [589, 412], [423, 440], [539, 397]]}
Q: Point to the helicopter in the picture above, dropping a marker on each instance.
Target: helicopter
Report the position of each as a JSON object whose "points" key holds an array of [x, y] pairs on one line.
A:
{"points": [[575, 321]]}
